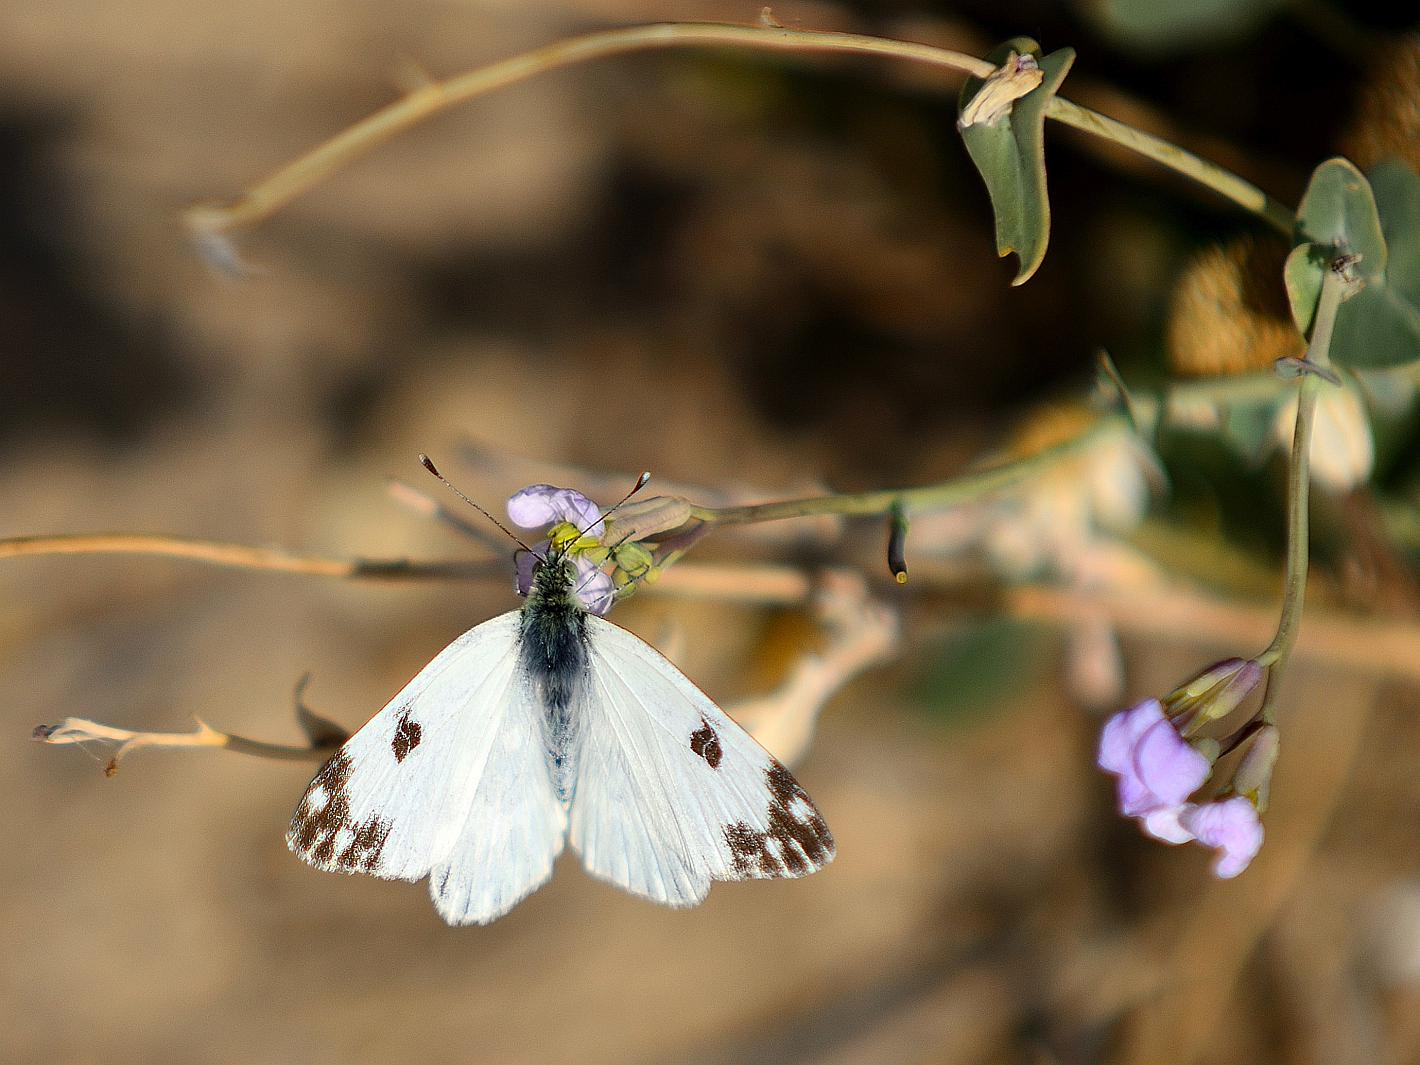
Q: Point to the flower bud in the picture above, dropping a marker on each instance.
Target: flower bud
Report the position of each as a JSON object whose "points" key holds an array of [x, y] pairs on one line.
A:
{"points": [[646, 518], [1215, 693], [633, 559], [1253, 778]]}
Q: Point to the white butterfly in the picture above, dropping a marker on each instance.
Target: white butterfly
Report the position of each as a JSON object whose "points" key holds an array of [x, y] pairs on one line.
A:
{"points": [[546, 724]]}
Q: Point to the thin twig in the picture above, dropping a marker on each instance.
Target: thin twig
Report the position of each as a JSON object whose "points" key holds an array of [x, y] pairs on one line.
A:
{"points": [[268, 196], [1222, 181], [79, 730], [245, 556], [906, 501], [910, 502], [209, 221]]}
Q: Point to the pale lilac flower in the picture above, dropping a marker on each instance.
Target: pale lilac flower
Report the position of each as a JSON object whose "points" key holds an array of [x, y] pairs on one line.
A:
{"points": [[594, 586], [1231, 826], [1157, 770], [1157, 773], [1163, 824], [542, 504]]}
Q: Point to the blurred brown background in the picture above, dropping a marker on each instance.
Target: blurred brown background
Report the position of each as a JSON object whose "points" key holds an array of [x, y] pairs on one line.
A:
{"points": [[727, 269]]}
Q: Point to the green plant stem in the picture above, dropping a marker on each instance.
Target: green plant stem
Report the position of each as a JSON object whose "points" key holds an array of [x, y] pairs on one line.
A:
{"points": [[1274, 659], [209, 220], [1222, 181], [910, 501]]}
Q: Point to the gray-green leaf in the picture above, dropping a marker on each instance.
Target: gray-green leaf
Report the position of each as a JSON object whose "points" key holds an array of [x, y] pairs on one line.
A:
{"points": [[1379, 221], [1010, 155]]}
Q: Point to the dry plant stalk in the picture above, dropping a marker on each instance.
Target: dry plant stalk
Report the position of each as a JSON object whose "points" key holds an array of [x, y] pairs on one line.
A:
{"points": [[862, 634]]}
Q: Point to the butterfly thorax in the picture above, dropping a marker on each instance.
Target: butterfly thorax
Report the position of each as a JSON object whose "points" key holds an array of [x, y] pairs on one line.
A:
{"points": [[553, 650]]}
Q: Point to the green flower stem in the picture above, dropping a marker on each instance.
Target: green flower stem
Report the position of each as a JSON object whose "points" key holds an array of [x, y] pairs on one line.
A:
{"points": [[910, 501], [1222, 181], [1274, 659], [210, 219]]}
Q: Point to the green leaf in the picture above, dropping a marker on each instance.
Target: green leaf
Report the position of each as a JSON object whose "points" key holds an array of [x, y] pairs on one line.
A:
{"points": [[1376, 328], [1379, 325], [1010, 155], [1397, 191], [1305, 267], [1339, 211]]}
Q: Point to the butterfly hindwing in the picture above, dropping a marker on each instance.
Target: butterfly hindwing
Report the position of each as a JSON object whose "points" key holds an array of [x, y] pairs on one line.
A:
{"points": [[671, 793], [449, 780]]}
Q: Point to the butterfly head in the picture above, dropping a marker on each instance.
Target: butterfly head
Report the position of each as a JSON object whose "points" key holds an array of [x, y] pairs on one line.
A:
{"points": [[554, 578], [569, 564]]}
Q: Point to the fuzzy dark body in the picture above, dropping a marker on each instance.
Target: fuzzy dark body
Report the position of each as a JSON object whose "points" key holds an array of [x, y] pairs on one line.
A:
{"points": [[553, 653]]}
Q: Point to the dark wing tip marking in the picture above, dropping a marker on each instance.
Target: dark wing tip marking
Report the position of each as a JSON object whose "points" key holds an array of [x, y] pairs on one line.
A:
{"points": [[705, 743], [321, 830], [407, 735], [796, 841]]}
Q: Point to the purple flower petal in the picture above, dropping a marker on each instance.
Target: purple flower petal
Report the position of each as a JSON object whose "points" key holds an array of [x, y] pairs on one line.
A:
{"points": [[1156, 768], [1168, 766], [542, 504], [1231, 826], [1118, 742], [595, 587], [1122, 732], [523, 562], [1164, 823]]}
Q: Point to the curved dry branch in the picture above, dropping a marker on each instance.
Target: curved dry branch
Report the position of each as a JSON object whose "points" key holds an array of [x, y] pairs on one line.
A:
{"points": [[209, 221]]}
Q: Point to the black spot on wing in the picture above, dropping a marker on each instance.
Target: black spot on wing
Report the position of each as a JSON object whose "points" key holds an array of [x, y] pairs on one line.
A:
{"points": [[362, 851], [407, 735], [706, 744], [795, 840], [322, 831]]}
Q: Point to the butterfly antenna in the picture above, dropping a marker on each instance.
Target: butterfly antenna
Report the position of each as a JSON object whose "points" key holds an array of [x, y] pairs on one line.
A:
{"points": [[428, 464]]}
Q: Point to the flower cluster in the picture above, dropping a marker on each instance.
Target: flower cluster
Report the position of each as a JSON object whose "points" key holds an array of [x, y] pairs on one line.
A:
{"points": [[579, 531], [1159, 769], [576, 525]]}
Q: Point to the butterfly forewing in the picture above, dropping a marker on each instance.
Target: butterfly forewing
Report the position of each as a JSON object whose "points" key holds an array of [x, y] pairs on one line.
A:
{"points": [[515, 825], [449, 780], [671, 793]]}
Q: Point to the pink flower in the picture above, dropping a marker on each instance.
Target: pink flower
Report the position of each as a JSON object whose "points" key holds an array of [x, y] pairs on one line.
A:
{"points": [[1157, 773], [542, 504], [1157, 770], [1231, 826]]}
